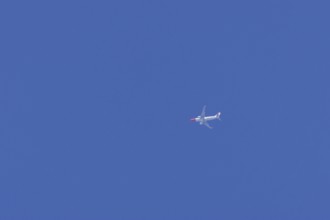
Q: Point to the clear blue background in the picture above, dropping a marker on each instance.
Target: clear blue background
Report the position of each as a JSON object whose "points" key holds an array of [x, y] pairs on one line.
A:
{"points": [[96, 98]]}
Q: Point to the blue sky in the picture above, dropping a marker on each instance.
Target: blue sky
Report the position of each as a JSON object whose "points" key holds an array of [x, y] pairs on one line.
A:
{"points": [[97, 96]]}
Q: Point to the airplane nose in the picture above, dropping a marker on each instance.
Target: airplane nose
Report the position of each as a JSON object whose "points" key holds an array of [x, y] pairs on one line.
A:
{"points": [[192, 119]]}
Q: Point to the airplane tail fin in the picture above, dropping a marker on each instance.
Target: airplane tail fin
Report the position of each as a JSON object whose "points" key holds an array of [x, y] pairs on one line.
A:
{"points": [[218, 115]]}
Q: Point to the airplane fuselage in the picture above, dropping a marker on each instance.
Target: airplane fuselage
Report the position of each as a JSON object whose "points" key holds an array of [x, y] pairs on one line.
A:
{"points": [[207, 118], [201, 120]]}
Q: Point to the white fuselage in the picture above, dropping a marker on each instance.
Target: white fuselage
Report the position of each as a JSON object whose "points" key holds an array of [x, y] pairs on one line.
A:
{"points": [[206, 118]]}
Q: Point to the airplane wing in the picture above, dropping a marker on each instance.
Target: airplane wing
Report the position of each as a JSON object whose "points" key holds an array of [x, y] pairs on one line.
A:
{"points": [[207, 125], [203, 112]]}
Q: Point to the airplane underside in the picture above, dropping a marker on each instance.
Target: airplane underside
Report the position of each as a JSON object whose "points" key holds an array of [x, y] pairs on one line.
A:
{"points": [[203, 120]]}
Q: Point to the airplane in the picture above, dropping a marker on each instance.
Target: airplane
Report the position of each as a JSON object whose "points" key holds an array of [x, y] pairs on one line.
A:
{"points": [[202, 119]]}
